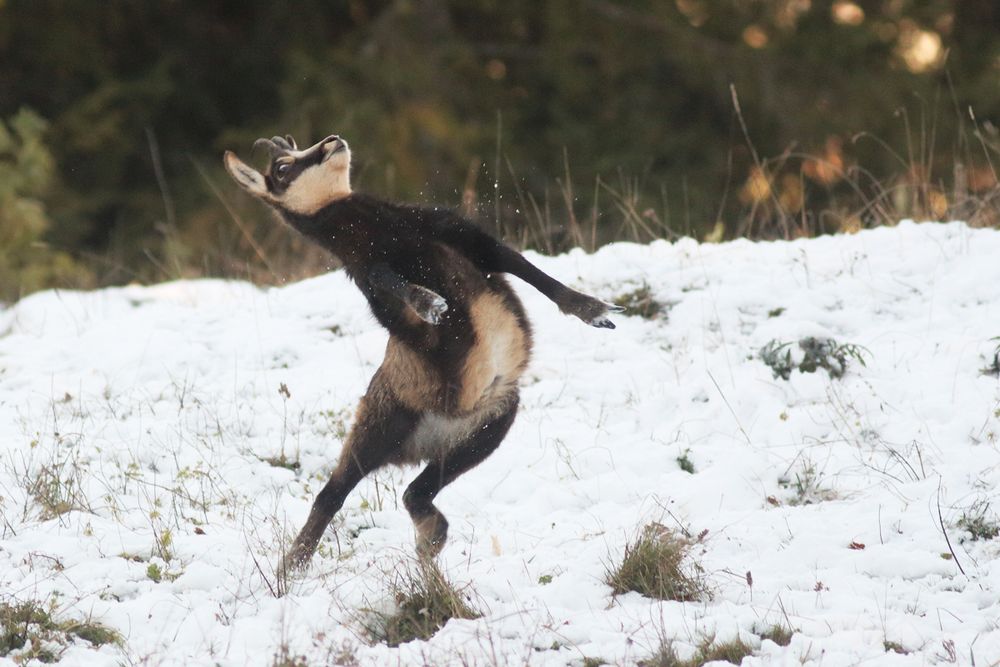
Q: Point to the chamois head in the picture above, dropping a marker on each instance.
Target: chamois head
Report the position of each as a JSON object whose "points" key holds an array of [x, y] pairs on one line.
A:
{"points": [[303, 181]]}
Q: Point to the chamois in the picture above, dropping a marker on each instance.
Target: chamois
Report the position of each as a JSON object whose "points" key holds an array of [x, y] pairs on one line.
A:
{"points": [[459, 340]]}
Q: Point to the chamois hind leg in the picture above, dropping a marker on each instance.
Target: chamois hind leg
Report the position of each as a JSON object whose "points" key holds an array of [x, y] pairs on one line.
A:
{"points": [[431, 526], [376, 439]]}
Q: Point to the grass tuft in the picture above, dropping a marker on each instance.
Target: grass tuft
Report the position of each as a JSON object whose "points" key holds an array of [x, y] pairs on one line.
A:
{"points": [[54, 492], [283, 461], [816, 353], [732, 652], [779, 634], [894, 647], [807, 486], [654, 565], [640, 302], [425, 601], [30, 631], [284, 657], [665, 656], [979, 522]]}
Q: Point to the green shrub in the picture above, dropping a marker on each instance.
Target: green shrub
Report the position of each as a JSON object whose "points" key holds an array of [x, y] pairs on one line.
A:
{"points": [[27, 263], [825, 353], [685, 463]]}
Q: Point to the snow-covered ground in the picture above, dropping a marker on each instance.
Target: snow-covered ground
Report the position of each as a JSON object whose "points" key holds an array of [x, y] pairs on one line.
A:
{"points": [[152, 410]]}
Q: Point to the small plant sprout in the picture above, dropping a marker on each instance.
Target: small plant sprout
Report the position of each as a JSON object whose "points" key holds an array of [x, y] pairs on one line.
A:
{"points": [[807, 485], [979, 522], [813, 354], [282, 460], [657, 565], [993, 367], [684, 462]]}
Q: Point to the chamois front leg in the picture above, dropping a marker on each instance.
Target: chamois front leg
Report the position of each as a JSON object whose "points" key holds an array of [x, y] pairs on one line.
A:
{"points": [[489, 254], [427, 304], [592, 311]]}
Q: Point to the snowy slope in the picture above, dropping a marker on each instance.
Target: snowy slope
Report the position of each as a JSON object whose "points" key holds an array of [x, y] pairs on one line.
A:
{"points": [[154, 407]]}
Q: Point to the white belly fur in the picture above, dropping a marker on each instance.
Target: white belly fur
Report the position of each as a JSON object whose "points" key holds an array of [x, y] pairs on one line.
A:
{"points": [[488, 382], [437, 434]]}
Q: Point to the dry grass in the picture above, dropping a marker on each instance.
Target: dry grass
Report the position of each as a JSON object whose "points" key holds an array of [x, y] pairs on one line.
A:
{"points": [[56, 488], [732, 652], [641, 302], [779, 634], [284, 657], [425, 601], [656, 564], [31, 631]]}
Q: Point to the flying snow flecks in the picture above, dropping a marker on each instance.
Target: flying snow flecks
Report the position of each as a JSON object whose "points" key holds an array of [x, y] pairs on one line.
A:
{"points": [[160, 444]]}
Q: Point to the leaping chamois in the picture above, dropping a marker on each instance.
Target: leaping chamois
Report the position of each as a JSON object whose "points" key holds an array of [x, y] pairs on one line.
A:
{"points": [[459, 340]]}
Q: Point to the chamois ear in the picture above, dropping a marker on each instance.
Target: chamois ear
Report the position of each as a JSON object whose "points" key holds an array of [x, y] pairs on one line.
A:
{"points": [[246, 176]]}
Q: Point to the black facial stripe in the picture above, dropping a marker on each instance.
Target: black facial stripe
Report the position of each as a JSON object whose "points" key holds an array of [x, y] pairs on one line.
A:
{"points": [[310, 159]]}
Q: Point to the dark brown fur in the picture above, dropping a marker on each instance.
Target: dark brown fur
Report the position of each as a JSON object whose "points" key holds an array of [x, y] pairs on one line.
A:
{"points": [[459, 340]]}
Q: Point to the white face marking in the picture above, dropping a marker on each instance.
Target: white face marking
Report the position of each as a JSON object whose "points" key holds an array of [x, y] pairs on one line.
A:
{"points": [[312, 189], [318, 185]]}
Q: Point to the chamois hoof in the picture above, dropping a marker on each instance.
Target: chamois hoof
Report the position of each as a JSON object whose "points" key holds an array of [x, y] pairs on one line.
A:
{"points": [[428, 305], [602, 323], [297, 558], [592, 311], [432, 534]]}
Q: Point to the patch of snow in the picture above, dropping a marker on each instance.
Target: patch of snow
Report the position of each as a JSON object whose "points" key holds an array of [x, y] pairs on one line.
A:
{"points": [[153, 412]]}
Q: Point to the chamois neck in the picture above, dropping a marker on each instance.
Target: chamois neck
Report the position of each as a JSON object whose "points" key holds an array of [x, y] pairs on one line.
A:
{"points": [[357, 229]]}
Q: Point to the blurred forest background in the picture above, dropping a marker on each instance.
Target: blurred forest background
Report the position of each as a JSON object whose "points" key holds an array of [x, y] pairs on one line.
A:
{"points": [[558, 122]]}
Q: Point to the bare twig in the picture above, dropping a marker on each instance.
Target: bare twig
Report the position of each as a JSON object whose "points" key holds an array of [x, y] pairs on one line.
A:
{"points": [[944, 531], [161, 180], [731, 411]]}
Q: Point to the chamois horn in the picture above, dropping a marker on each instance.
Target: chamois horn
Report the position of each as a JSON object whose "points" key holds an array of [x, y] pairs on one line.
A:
{"points": [[272, 146]]}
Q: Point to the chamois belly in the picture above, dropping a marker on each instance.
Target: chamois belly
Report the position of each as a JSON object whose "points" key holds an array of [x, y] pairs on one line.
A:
{"points": [[454, 408]]}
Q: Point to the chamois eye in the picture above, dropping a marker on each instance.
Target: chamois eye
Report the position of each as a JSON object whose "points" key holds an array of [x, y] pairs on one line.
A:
{"points": [[282, 170]]}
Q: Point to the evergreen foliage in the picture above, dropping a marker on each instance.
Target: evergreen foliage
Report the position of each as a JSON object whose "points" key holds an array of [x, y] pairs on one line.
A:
{"points": [[613, 120]]}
